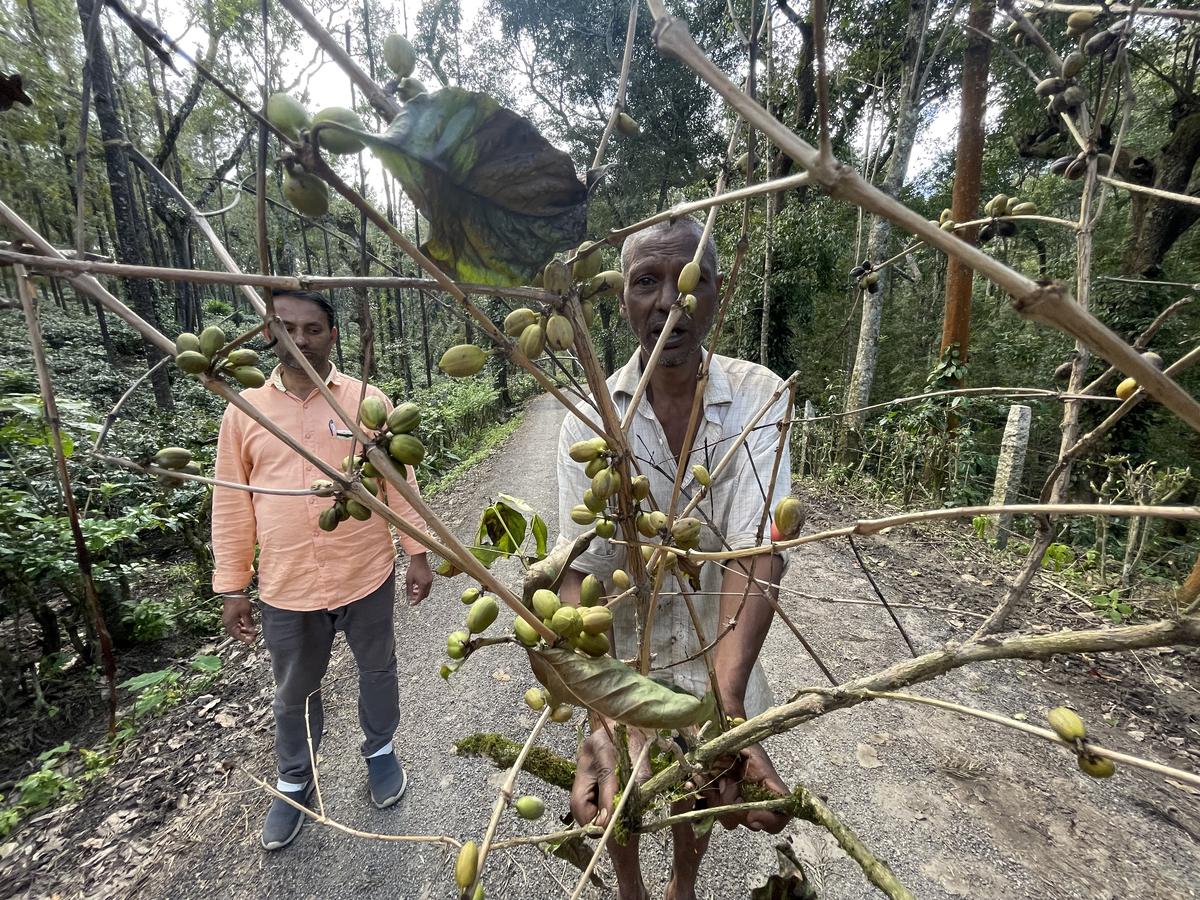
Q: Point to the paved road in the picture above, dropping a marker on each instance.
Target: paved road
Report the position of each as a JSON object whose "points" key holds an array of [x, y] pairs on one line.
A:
{"points": [[959, 811]]}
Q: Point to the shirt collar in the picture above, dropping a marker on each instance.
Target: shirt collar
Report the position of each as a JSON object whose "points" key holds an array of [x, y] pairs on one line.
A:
{"points": [[276, 380], [716, 393]]}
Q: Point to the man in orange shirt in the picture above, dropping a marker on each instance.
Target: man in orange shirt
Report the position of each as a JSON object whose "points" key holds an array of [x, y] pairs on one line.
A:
{"points": [[311, 583]]}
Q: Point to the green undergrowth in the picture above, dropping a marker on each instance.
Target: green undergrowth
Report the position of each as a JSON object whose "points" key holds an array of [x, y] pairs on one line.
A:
{"points": [[486, 440]]}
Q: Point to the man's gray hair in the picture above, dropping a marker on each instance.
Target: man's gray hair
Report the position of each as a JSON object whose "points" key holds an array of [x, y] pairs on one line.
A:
{"points": [[629, 249]]}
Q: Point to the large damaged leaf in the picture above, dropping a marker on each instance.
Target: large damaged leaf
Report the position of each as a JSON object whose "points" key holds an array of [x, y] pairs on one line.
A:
{"points": [[616, 690], [500, 200]]}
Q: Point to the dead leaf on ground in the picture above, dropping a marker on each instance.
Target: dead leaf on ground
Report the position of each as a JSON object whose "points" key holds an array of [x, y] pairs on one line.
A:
{"points": [[867, 756]]}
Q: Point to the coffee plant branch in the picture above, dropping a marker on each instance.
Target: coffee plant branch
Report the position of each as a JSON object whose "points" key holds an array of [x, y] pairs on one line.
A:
{"points": [[1155, 192], [380, 100], [158, 471], [622, 83], [1013, 393], [113, 413], [873, 526], [1088, 440], [821, 701], [1142, 341], [504, 798], [804, 804], [648, 370], [749, 427], [87, 283], [1047, 734], [278, 283], [323, 819], [862, 564], [1135, 9], [1049, 304], [786, 183]]}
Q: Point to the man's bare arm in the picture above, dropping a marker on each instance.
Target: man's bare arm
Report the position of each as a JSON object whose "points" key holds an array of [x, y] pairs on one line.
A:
{"points": [[737, 652]]}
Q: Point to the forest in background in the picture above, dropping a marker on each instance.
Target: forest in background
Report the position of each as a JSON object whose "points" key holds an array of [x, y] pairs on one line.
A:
{"points": [[895, 68]]}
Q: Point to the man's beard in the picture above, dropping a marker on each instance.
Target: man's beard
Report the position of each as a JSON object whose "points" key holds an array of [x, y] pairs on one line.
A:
{"points": [[292, 362]]}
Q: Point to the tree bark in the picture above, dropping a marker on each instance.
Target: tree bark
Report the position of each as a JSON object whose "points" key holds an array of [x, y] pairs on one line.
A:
{"points": [[858, 394], [131, 229], [968, 170], [1157, 223]]}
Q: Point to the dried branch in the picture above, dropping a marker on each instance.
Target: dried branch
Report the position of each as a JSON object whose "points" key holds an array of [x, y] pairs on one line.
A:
{"points": [[873, 526], [322, 819], [811, 704], [622, 83], [1117, 8], [504, 798], [277, 283], [1045, 733], [1049, 304], [83, 555]]}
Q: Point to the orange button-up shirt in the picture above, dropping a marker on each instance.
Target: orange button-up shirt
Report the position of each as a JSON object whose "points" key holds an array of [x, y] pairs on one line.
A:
{"points": [[300, 567]]}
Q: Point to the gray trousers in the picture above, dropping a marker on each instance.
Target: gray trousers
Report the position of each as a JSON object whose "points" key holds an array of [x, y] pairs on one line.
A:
{"points": [[300, 644]]}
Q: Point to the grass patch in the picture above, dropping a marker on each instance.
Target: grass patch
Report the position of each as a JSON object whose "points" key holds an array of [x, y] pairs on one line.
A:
{"points": [[487, 439]]}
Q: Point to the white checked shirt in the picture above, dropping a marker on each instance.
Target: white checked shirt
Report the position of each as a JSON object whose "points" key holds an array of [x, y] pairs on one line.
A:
{"points": [[736, 390]]}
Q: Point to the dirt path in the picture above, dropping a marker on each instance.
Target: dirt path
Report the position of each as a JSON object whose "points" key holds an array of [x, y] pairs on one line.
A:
{"points": [[958, 810]]}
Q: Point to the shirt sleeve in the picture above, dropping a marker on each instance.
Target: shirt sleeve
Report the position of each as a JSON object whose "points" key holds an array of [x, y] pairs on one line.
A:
{"points": [[398, 504], [234, 529], [752, 470], [602, 556]]}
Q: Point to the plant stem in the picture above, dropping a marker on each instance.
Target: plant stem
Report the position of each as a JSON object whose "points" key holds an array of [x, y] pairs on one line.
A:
{"points": [[83, 555], [504, 798]]}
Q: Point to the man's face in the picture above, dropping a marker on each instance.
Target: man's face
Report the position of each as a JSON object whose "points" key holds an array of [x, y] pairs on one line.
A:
{"points": [[308, 326], [651, 288]]}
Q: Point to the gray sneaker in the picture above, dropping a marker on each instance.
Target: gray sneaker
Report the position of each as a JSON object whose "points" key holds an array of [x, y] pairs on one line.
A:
{"points": [[386, 780], [284, 821]]}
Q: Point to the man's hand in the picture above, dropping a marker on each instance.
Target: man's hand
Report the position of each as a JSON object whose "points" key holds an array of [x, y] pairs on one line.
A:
{"points": [[752, 766], [418, 580], [596, 782], [238, 617]]}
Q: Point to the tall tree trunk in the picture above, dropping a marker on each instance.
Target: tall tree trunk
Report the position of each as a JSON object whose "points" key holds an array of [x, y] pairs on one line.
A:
{"points": [[858, 394], [968, 169], [131, 231], [1158, 223], [764, 331], [764, 328]]}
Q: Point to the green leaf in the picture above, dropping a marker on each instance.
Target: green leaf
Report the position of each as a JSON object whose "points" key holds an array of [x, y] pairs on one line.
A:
{"points": [[540, 535], [500, 200], [501, 526], [616, 690], [209, 665], [146, 680]]}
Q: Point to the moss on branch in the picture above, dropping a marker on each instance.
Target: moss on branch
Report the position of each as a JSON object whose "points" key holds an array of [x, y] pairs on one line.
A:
{"points": [[541, 763]]}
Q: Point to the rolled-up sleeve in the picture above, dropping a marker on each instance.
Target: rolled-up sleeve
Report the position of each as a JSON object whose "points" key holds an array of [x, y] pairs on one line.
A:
{"points": [[234, 529], [753, 473]]}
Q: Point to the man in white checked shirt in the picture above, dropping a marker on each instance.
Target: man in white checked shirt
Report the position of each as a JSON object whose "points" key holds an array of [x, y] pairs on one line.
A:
{"points": [[651, 261]]}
